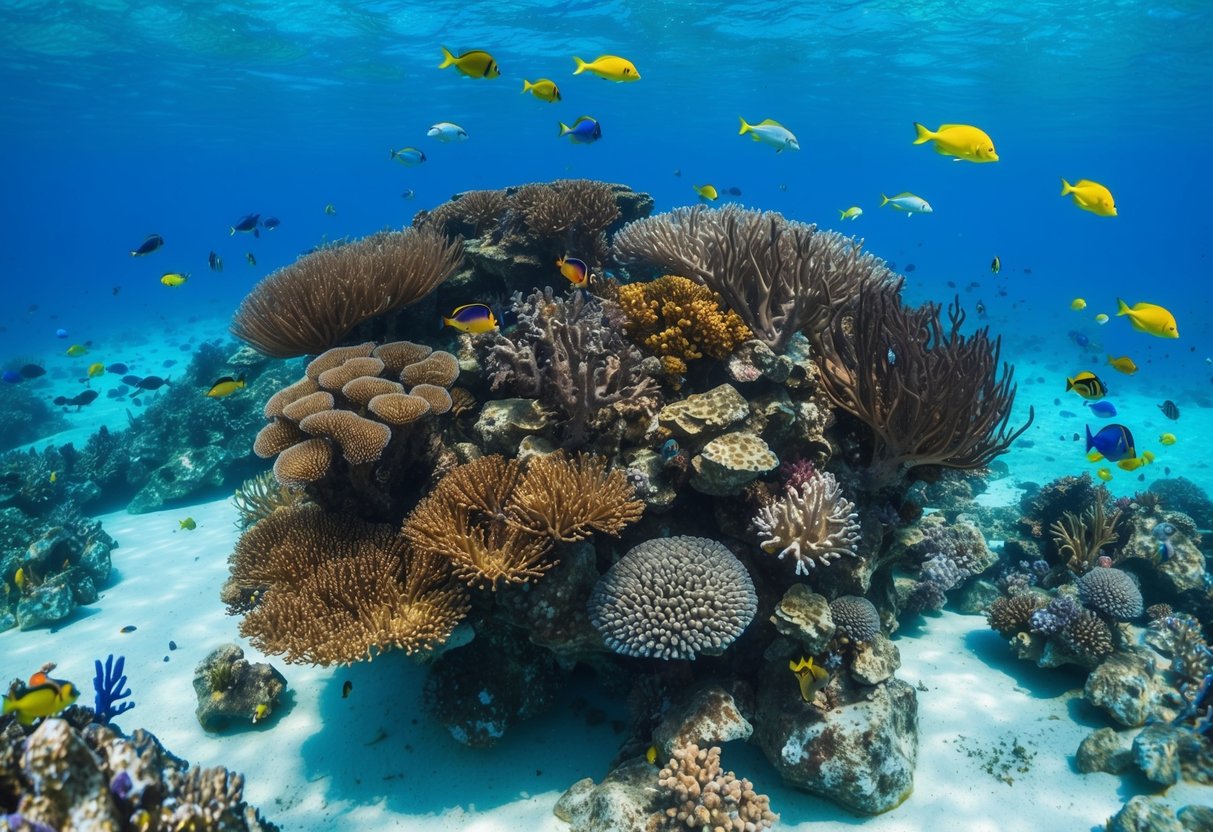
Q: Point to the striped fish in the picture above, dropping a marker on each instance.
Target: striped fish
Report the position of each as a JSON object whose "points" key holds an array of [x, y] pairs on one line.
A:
{"points": [[1169, 409]]}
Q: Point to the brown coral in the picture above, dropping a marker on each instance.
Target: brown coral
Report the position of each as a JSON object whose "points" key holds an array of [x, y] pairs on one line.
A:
{"points": [[312, 304], [260, 496], [1088, 636], [553, 209], [396, 355], [399, 408], [570, 499], [337, 377], [300, 409], [361, 390], [438, 397], [276, 437], [1080, 539], [292, 392], [1012, 615], [361, 440], [439, 368], [303, 463], [335, 357], [704, 796]]}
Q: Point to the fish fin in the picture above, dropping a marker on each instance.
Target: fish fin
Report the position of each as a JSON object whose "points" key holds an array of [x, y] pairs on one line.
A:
{"points": [[1066, 187], [581, 66], [526, 85], [842, 215], [447, 58], [745, 128], [769, 122], [884, 200], [923, 134], [564, 129], [231, 232], [1090, 438], [1122, 308]]}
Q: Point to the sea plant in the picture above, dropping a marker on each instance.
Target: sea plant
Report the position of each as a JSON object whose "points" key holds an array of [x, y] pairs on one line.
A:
{"points": [[109, 686]]}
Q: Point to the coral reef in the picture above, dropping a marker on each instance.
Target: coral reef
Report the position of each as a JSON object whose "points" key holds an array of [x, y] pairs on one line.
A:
{"points": [[260, 496], [27, 416], [703, 795], [109, 686], [813, 524]]}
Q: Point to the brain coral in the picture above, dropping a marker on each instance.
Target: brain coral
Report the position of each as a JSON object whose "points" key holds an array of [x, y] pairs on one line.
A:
{"points": [[855, 617], [812, 526], [673, 598], [1111, 592]]}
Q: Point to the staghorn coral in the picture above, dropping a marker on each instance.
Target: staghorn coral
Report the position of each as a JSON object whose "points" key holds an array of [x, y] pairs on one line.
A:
{"points": [[779, 276], [260, 496], [673, 598], [930, 395], [570, 499], [813, 526], [330, 589], [1010, 615], [681, 321], [312, 304], [704, 796], [1111, 592], [1080, 539]]}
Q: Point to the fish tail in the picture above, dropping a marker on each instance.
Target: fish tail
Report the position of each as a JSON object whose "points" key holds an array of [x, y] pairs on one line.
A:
{"points": [[1090, 438], [923, 134], [565, 129], [1122, 308], [1069, 384], [231, 231], [884, 200], [526, 85], [581, 65], [447, 58], [1066, 187], [842, 215], [745, 128]]}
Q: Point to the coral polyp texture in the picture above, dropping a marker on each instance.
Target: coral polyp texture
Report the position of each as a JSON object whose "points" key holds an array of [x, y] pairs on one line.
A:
{"points": [[310, 305], [809, 527], [1111, 592], [705, 796], [855, 617], [674, 598]]}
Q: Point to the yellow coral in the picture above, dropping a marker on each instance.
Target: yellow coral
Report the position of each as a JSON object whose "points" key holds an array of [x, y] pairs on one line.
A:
{"points": [[681, 321]]}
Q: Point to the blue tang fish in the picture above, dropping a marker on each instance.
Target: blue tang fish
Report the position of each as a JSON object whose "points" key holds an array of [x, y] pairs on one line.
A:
{"points": [[585, 130], [1104, 410], [1114, 442]]}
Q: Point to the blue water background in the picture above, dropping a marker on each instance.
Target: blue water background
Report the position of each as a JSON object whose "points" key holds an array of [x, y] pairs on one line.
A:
{"points": [[125, 119]]}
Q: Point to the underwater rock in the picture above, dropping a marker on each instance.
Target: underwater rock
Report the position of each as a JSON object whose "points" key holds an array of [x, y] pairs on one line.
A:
{"points": [[704, 414], [729, 463], [50, 601], [1125, 685], [504, 423], [754, 360], [1181, 494], [533, 446], [804, 616], [974, 597], [1144, 814], [860, 754], [1156, 753], [230, 689], [774, 417], [1169, 540], [68, 780], [875, 660], [1196, 818], [184, 475], [708, 716], [1104, 750], [623, 802], [647, 473], [552, 611]]}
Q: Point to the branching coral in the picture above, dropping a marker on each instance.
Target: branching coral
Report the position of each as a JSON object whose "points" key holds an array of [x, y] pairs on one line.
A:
{"points": [[1080, 539], [779, 276], [570, 499], [704, 796], [1009, 615], [930, 395], [680, 321], [812, 526], [312, 304]]}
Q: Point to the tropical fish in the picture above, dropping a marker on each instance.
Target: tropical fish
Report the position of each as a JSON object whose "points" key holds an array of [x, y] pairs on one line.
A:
{"points": [[270, 223], [1124, 364], [544, 89], [260, 712], [1133, 463], [1090, 196], [34, 370], [577, 272], [12, 377], [330, 210], [446, 132], [225, 387], [1104, 474], [473, 318], [248, 223], [980, 309], [962, 141], [54, 477], [474, 64], [410, 157], [610, 67], [1087, 385], [43, 697], [707, 192], [174, 279], [1078, 304], [852, 213], [907, 202], [1101, 319], [585, 130], [1149, 318], [651, 755], [153, 242], [346, 687], [97, 369], [1104, 410], [133, 381], [809, 676], [769, 131], [19, 579], [150, 383], [78, 400], [996, 265], [188, 524], [76, 350], [1167, 439], [252, 261], [1169, 409], [1114, 442], [215, 262]]}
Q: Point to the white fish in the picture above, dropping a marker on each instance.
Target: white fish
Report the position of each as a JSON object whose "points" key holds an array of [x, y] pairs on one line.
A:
{"points": [[769, 131], [906, 202], [445, 131]]}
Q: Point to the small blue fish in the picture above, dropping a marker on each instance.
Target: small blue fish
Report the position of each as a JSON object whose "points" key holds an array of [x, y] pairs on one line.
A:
{"points": [[1080, 339], [410, 157], [892, 356], [60, 333], [13, 377], [585, 130], [670, 449], [1104, 410], [1114, 443], [270, 223]]}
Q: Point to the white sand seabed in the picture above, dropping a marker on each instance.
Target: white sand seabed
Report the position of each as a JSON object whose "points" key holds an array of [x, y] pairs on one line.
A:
{"points": [[378, 761]]}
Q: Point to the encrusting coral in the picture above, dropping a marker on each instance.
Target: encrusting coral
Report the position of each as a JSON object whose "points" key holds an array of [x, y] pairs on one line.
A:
{"points": [[310, 305], [811, 526], [704, 796]]}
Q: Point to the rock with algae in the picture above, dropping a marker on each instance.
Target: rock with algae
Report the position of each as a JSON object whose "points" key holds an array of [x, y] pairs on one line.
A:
{"points": [[730, 462]]}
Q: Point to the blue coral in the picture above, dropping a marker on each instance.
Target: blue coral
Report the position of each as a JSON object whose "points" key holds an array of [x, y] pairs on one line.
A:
{"points": [[108, 685]]}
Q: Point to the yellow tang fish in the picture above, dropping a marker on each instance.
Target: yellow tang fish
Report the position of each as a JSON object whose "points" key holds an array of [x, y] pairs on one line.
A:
{"points": [[651, 755], [960, 140], [1088, 385], [76, 350], [42, 698], [54, 477], [474, 64], [1133, 463], [225, 386], [95, 370], [809, 676], [853, 213], [1078, 304], [1104, 474], [1090, 196], [1167, 439], [174, 279], [610, 67], [19, 579], [1149, 318], [544, 89], [707, 192], [1123, 364]]}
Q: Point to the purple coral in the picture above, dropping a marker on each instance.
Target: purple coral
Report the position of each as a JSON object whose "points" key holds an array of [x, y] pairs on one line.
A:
{"points": [[1055, 617]]}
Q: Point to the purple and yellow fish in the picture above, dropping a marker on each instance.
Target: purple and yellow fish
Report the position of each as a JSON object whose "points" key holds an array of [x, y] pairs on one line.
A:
{"points": [[577, 272], [473, 318]]}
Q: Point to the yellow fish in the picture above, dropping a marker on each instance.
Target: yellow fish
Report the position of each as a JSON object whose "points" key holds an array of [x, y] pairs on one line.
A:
{"points": [[188, 524], [963, 141], [809, 676], [707, 192], [260, 712], [1090, 196], [1088, 385], [54, 478], [1132, 463], [95, 370], [996, 265], [174, 279], [76, 350], [576, 271], [1148, 318], [47, 698], [1078, 304], [610, 67], [1124, 364], [543, 89], [474, 64], [1167, 439], [1104, 474], [1101, 319], [853, 213], [19, 578], [225, 387], [473, 318], [651, 755]]}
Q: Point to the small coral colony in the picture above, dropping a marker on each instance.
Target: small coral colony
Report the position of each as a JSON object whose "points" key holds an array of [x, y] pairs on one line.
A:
{"points": [[699, 466]]}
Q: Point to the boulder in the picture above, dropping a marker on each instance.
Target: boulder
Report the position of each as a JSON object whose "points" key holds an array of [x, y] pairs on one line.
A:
{"points": [[231, 690], [729, 463], [623, 802], [708, 716], [701, 415]]}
